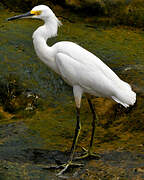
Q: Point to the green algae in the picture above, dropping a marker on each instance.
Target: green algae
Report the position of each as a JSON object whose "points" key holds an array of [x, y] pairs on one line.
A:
{"points": [[50, 125]]}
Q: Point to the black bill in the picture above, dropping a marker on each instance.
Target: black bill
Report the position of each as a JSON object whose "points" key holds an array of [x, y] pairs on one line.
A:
{"points": [[20, 16]]}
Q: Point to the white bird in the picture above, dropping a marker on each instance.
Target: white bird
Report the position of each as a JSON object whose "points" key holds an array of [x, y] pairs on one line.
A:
{"points": [[81, 69]]}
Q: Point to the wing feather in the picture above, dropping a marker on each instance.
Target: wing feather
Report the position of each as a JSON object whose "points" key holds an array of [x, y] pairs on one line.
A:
{"points": [[76, 73], [80, 67], [85, 57]]}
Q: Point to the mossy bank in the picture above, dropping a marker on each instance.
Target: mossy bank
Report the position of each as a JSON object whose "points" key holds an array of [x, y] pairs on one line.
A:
{"points": [[114, 12], [37, 112]]}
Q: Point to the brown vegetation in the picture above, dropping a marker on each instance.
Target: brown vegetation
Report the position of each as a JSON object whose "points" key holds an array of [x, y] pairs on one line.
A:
{"points": [[125, 12]]}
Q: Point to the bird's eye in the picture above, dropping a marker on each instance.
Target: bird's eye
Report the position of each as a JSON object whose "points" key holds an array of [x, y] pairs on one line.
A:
{"points": [[36, 12]]}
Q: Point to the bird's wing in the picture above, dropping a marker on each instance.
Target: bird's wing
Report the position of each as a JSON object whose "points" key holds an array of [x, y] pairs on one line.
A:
{"points": [[86, 58], [76, 73], [79, 66]]}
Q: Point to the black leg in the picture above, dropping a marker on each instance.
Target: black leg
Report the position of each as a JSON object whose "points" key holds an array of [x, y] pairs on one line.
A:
{"points": [[89, 153], [77, 132], [93, 122]]}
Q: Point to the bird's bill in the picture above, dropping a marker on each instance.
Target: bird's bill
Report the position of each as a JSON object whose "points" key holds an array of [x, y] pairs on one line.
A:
{"points": [[28, 14]]}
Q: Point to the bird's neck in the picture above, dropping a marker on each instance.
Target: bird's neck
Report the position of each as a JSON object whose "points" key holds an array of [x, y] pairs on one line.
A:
{"points": [[48, 30], [40, 36]]}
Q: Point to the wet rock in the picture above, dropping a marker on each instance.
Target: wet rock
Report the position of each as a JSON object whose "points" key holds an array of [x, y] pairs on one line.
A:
{"points": [[14, 97]]}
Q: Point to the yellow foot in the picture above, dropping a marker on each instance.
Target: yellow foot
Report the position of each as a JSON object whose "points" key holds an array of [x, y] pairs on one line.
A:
{"points": [[88, 154], [64, 167]]}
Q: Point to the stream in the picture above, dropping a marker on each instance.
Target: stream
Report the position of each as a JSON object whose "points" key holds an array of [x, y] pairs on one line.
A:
{"points": [[37, 110]]}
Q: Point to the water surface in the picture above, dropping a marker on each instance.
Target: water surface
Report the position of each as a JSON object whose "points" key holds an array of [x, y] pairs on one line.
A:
{"points": [[37, 132]]}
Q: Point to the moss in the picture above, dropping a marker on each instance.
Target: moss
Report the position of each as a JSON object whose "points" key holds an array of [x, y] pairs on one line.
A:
{"points": [[51, 127], [113, 12]]}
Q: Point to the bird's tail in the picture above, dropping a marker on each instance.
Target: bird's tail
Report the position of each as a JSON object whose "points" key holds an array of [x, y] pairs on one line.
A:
{"points": [[125, 96]]}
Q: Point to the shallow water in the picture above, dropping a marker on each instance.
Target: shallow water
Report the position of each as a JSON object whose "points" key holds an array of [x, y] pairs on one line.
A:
{"points": [[36, 135]]}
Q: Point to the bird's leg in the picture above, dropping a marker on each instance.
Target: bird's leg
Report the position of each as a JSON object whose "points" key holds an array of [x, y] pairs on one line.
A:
{"points": [[93, 125], [77, 95], [77, 132], [89, 153]]}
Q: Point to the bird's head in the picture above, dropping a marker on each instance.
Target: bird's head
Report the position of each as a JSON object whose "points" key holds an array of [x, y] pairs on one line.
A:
{"points": [[38, 12]]}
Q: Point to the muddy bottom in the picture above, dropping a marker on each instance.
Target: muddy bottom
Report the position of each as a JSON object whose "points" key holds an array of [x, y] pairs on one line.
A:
{"points": [[37, 110], [21, 159]]}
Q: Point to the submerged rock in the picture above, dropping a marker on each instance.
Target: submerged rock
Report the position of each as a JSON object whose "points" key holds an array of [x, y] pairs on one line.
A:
{"points": [[14, 97]]}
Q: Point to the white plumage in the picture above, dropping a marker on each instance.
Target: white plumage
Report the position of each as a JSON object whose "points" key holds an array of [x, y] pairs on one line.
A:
{"points": [[76, 65], [81, 69]]}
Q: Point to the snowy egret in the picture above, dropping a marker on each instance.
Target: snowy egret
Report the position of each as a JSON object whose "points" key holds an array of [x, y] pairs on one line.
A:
{"points": [[81, 69]]}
